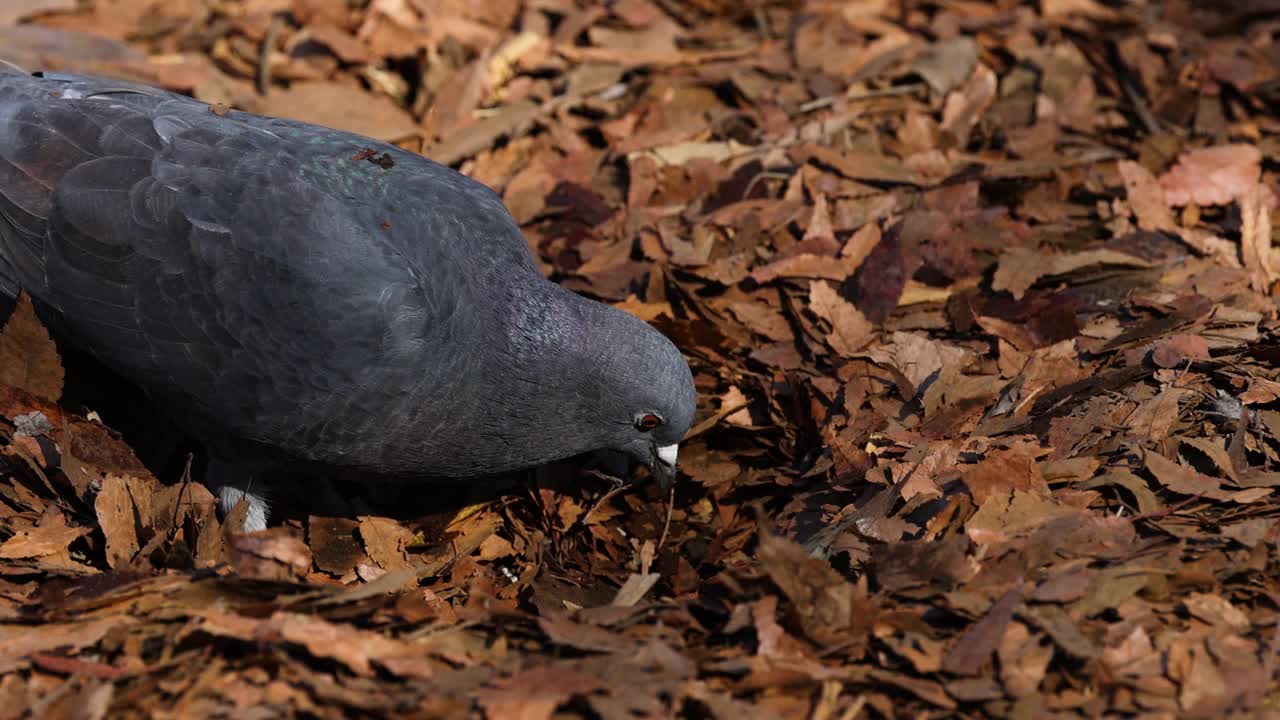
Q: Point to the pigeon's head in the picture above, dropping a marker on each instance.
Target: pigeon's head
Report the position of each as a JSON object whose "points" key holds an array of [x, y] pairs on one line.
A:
{"points": [[646, 394]]}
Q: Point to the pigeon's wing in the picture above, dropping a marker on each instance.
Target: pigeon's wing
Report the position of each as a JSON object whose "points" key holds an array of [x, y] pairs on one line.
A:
{"points": [[246, 277]]}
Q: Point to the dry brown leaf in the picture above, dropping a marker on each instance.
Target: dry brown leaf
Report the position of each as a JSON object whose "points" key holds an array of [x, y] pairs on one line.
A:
{"points": [[1154, 419], [534, 694], [342, 107], [14, 11], [647, 311], [1204, 690], [357, 649], [115, 511], [1132, 649], [819, 233], [335, 543], [341, 43], [1177, 350], [49, 539], [966, 104], [1212, 176], [918, 357], [494, 547], [18, 643], [1181, 479], [1002, 472], [763, 320], [1146, 197], [850, 331], [982, 638], [1216, 610], [860, 245], [28, 358], [1021, 267], [804, 265], [271, 554], [1024, 659], [1008, 515], [687, 152], [858, 165], [828, 605], [946, 64], [1256, 204], [385, 541], [648, 58], [635, 588]]}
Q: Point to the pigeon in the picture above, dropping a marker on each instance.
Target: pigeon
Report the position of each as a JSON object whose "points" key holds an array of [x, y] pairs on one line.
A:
{"points": [[295, 295]]}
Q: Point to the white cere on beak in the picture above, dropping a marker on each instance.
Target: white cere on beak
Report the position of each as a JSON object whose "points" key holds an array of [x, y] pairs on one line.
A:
{"points": [[667, 454]]}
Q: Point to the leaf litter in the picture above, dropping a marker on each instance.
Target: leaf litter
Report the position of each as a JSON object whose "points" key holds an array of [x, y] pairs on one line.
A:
{"points": [[980, 301]]}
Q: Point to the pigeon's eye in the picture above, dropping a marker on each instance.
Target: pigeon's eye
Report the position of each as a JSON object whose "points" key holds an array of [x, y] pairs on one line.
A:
{"points": [[647, 422]]}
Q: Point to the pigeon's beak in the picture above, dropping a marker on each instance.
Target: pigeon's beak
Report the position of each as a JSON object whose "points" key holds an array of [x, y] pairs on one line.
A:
{"points": [[664, 464]]}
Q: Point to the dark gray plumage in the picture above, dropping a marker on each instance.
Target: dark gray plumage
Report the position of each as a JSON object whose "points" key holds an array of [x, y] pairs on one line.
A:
{"points": [[289, 291]]}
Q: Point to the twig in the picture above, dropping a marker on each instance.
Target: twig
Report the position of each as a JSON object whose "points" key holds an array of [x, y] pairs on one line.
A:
{"points": [[186, 481], [671, 503], [1170, 510], [618, 486], [264, 55], [763, 175], [1131, 90], [712, 421], [819, 103]]}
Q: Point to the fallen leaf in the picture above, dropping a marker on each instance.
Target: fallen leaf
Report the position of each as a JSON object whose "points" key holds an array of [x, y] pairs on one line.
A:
{"points": [[535, 693], [1216, 610], [982, 638], [635, 588], [1020, 268], [336, 544], [271, 554], [18, 643], [1212, 176], [341, 107], [946, 64], [357, 649], [1176, 350], [828, 605], [1002, 472], [116, 516], [385, 541], [15, 11], [850, 331], [49, 539], [1256, 205], [965, 105], [28, 358], [1146, 197], [1024, 659]]}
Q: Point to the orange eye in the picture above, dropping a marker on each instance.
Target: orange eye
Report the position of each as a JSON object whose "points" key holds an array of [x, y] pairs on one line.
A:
{"points": [[648, 422]]}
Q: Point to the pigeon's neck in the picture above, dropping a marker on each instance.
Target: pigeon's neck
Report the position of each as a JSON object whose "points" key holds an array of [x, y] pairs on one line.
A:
{"points": [[551, 322], [542, 379], [558, 340]]}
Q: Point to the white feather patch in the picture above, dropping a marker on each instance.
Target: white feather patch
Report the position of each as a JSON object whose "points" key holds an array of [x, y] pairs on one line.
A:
{"points": [[667, 454]]}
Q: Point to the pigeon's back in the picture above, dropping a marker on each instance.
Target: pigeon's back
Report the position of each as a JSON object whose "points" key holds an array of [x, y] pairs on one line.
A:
{"points": [[261, 277]]}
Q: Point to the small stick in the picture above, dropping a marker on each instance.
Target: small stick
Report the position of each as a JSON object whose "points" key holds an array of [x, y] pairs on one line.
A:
{"points": [[264, 57], [671, 503], [822, 102]]}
